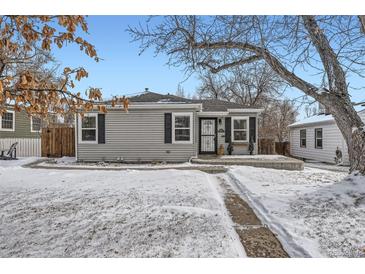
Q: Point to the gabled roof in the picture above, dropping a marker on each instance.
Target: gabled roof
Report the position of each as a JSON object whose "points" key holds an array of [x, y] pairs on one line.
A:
{"points": [[208, 104]]}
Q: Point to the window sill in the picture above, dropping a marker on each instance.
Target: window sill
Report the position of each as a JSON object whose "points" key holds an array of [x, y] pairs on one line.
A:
{"points": [[239, 142], [182, 142], [88, 142], [11, 130]]}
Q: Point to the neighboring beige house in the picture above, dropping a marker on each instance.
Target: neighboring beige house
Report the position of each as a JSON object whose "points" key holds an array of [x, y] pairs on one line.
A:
{"points": [[167, 128], [317, 138], [19, 127]]}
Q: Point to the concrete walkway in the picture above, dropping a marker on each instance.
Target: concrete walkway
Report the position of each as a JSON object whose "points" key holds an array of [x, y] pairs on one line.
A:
{"points": [[257, 239]]}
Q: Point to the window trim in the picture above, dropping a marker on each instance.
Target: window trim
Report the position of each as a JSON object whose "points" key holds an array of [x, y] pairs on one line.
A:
{"points": [[300, 138], [31, 125], [233, 118], [1, 122], [190, 114], [81, 128], [315, 138]]}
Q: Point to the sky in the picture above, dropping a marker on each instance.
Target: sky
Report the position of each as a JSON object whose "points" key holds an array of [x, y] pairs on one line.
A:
{"points": [[122, 71]]}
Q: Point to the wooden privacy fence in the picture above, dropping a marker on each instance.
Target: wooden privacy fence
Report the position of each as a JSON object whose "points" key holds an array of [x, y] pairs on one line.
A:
{"points": [[58, 142], [266, 146], [269, 146], [282, 148]]}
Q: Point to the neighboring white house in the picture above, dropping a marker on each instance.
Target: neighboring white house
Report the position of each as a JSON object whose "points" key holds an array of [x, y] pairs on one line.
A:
{"points": [[317, 138]]}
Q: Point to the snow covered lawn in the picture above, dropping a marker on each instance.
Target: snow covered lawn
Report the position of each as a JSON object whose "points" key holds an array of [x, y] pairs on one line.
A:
{"points": [[79, 213], [316, 213]]}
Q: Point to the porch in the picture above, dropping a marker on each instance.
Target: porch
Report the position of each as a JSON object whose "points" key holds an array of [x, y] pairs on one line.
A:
{"points": [[264, 161]]}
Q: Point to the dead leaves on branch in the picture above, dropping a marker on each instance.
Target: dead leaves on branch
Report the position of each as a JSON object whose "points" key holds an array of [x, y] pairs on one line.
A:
{"points": [[28, 31], [41, 98], [22, 36]]}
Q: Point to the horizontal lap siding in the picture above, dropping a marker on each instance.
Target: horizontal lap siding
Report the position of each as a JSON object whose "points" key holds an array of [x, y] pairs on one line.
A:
{"points": [[137, 136], [332, 138], [22, 127]]}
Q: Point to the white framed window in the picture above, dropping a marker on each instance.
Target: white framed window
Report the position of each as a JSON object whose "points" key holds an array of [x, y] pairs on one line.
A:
{"points": [[318, 133], [35, 124], [303, 138], [7, 121], [88, 128], [182, 128], [239, 129]]}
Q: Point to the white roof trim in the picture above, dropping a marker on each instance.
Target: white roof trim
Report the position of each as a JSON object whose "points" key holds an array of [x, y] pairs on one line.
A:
{"points": [[314, 120], [213, 113], [245, 110]]}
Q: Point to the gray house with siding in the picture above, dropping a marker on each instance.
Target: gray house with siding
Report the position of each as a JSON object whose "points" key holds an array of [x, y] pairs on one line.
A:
{"points": [[317, 138], [159, 127], [19, 127]]}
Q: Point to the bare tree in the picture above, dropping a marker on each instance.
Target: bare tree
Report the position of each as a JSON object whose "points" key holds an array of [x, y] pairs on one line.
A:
{"points": [[276, 118], [251, 85], [180, 91], [310, 110], [315, 54], [254, 85], [212, 86]]}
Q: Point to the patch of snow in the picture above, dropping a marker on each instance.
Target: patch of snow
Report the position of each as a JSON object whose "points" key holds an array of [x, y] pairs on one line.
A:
{"points": [[19, 162], [326, 166], [79, 213], [108, 165], [255, 157], [316, 213], [66, 160]]}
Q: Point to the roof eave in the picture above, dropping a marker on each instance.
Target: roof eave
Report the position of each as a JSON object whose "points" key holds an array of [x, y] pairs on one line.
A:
{"points": [[245, 110], [311, 123], [160, 106]]}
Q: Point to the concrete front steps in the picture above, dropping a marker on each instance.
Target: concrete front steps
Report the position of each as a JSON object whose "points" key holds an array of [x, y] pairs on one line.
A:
{"points": [[264, 161]]}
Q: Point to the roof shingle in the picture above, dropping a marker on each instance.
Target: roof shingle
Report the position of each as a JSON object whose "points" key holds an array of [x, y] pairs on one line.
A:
{"points": [[208, 104]]}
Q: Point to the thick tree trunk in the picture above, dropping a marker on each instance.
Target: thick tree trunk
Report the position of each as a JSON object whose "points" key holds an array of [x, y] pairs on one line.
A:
{"points": [[352, 129]]}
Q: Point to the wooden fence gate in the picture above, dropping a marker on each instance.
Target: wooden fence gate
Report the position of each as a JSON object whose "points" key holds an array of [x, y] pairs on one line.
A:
{"points": [[58, 142]]}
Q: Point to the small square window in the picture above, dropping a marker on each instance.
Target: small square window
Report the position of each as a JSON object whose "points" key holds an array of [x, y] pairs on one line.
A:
{"points": [[88, 128], [182, 127], [7, 121], [239, 129], [36, 124]]}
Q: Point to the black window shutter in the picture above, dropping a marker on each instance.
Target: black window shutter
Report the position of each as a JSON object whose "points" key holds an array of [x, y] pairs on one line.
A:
{"points": [[168, 128], [228, 129], [253, 129], [101, 128]]}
